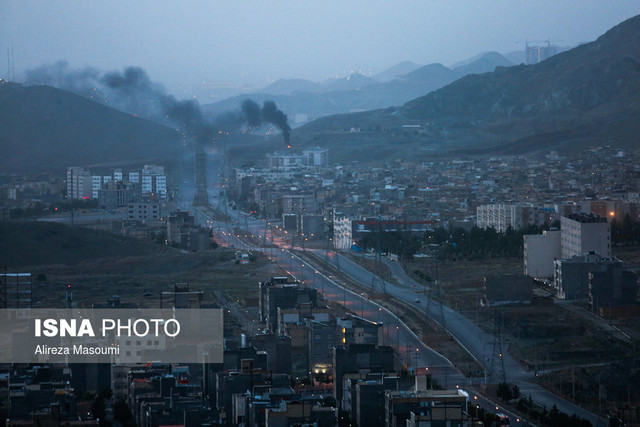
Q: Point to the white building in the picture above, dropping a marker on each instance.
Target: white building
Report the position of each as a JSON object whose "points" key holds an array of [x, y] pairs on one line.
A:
{"points": [[79, 183], [316, 156], [501, 216], [134, 177], [82, 185], [342, 233], [282, 159], [497, 216], [153, 181], [540, 251], [582, 233], [96, 185]]}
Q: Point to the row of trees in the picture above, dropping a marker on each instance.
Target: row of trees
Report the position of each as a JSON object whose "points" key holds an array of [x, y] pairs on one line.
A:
{"points": [[453, 243], [625, 232]]}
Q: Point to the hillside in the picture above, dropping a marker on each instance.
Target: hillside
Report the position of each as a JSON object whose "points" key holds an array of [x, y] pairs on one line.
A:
{"points": [[582, 97], [48, 129], [404, 67], [357, 92], [33, 243]]}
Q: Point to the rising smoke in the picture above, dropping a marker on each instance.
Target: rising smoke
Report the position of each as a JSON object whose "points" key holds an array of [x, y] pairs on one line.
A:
{"points": [[132, 91], [269, 113]]}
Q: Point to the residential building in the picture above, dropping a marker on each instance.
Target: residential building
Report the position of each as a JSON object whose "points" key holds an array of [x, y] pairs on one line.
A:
{"points": [[357, 330], [280, 293], [114, 194], [359, 359], [284, 159], [540, 250], [571, 276], [583, 233], [316, 156], [79, 183], [612, 287], [342, 233], [144, 210], [428, 407], [501, 216]]}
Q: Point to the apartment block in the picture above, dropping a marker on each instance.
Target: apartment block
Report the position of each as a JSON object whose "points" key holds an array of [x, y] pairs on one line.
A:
{"points": [[583, 233], [540, 250]]}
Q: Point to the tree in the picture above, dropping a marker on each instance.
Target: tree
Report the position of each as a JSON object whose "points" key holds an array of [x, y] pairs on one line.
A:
{"points": [[504, 392]]}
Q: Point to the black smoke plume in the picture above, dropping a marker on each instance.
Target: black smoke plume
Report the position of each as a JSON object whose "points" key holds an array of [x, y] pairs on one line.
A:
{"points": [[134, 85], [133, 92], [274, 115], [130, 91], [269, 113], [251, 112]]}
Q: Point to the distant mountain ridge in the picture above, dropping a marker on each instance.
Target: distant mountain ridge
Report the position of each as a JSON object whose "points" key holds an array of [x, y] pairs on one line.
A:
{"points": [[400, 69], [357, 92], [582, 96], [48, 129]]}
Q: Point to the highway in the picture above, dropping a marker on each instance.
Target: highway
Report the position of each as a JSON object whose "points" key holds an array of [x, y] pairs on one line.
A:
{"points": [[411, 350]]}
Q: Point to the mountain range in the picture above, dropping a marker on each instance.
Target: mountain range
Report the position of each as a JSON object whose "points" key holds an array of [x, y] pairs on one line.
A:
{"points": [[304, 100], [586, 96]]}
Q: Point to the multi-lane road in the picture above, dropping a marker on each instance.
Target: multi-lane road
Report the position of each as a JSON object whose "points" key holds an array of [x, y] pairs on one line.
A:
{"points": [[411, 350]]}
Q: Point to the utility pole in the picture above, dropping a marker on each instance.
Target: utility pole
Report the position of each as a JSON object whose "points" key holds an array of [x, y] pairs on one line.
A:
{"points": [[496, 369], [435, 289]]}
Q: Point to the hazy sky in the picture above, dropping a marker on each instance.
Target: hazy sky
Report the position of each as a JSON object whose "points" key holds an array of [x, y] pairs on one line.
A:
{"points": [[183, 42]]}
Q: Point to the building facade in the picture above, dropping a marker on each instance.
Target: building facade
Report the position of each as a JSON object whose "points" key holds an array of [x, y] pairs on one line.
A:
{"points": [[583, 233], [540, 250]]}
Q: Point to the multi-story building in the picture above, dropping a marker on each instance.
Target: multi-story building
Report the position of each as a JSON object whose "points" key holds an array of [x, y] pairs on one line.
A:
{"points": [[280, 293], [571, 276], [115, 194], [342, 233], [501, 216], [583, 233], [357, 330], [79, 183], [540, 250], [153, 181], [144, 210], [299, 203], [357, 359], [612, 287], [175, 225], [284, 159], [429, 407], [316, 156], [611, 209]]}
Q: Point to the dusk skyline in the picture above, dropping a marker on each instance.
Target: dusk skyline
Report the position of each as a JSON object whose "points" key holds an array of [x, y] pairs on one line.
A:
{"points": [[254, 43]]}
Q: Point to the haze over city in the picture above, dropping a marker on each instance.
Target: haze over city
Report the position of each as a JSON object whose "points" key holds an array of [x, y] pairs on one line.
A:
{"points": [[230, 43], [383, 213]]}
